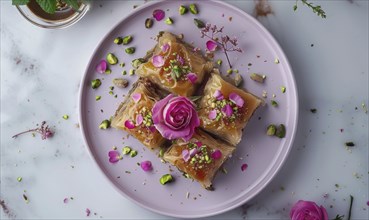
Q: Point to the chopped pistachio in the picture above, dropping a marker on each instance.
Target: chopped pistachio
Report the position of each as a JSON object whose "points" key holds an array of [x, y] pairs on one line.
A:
{"points": [[120, 82], [112, 59], [133, 153], [219, 62], [65, 117], [130, 50], [276, 61], [97, 98], [257, 77], [127, 39], [105, 124], [19, 179], [111, 87], [274, 103], [229, 71], [169, 21], [235, 70], [149, 22], [122, 64], [199, 23], [126, 150], [107, 71], [271, 129], [350, 144], [137, 62], [111, 93], [193, 9], [124, 72], [167, 178], [182, 10], [161, 152], [281, 131], [283, 89], [238, 79], [313, 110], [96, 83], [118, 40], [131, 72]]}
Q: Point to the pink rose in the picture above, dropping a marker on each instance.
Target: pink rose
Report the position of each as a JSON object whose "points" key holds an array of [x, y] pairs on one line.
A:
{"points": [[307, 210], [175, 117]]}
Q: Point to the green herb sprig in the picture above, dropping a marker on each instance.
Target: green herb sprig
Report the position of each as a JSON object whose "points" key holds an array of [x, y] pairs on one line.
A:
{"points": [[50, 6], [317, 9]]}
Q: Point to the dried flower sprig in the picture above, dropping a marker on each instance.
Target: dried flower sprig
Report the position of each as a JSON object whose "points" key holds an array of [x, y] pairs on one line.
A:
{"points": [[226, 43], [317, 9], [44, 130]]}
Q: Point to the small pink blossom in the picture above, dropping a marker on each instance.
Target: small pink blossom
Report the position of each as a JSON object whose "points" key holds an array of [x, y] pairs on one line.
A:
{"points": [[236, 99], [212, 114], [244, 167], [114, 156], [101, 66], [306, 210], [217, 154], [211, 45], [192, 77], [146, 165], [129, 124], [158, 61], [158, 14], [165, 47]]}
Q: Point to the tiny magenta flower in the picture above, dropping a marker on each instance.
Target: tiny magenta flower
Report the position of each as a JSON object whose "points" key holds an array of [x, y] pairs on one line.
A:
{"points": [[217, 154], [136, 97], [146, 165], [211, 45], [236, 99], [101, 66], [244, 167], [192, 77], [158, 14], [308, 210], [129, 124], [158, 61], [114, 156]]}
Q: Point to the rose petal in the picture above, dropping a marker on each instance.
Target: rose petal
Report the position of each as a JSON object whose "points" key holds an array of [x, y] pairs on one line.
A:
{"points": [[146, 165], [114, 156], [88, 212], [217, 154], [308, 210], [236, 99], [65, 200], [227, 110], [139, 120], [185, 155], [158, 61], [129, 124], [244, 166], [193, 152], [198, 143], [165, 47], [101, 66], [180, 60], [218, 95], [192, 77], [136, 97], [211, 45], [158, 14], [212, 114], [152, 129]]}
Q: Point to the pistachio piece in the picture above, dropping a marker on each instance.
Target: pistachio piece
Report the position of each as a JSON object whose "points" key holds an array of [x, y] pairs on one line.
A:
{"points": [[161, 152], [350, 144], [169, 21], [133, 153], [137, 62], [193, 9], [198, 23], [112, 59], [97, 98], [104, 124], [19, 179], [229, 71], [130, 50], [132, 72], [149, 22], [95, 83], [283, 89], [65, 117], [118, 40], [219, 62], [120, 82], [127, 39], [167, 178], [257, 77], [126, 150], [182, 10], [274, 103], [107, 71], [281, 131], [271, 129], [238, 79], [124, 72]]}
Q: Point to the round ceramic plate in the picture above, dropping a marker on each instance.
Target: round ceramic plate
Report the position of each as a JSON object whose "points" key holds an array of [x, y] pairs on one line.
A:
{"points": [[263, 154]]}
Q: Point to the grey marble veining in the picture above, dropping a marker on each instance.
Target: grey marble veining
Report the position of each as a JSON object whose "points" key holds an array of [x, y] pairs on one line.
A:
{"points": [[40, 75]]}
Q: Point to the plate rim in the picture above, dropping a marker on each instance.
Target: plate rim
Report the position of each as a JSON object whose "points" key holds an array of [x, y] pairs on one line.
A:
{"points": [[271, 174]]}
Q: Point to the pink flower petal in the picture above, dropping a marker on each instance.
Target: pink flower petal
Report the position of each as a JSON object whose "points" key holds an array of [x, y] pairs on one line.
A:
{"points": [[217, 154], [136, 97], [185, 155], [192, 77], [158, 61], [139, 120], [212, 114], [146, 165], [102, 66], [244, 167], [152, 129], [218, 95], [211, 45], [114, 156], [180, 60], [158, 14], [88, 212], [129, 124], [236, 99], [65, 200], [193, 152], [227, 110], [165, 47], [198, 143]]}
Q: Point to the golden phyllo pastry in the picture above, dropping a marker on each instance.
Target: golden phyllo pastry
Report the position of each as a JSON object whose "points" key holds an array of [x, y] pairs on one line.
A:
{"points": [[175, 66], [226, 109], [200, 158], [134, 114]]}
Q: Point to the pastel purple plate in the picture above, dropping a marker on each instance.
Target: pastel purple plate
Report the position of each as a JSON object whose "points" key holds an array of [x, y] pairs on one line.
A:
{"points": [[263, 154]]}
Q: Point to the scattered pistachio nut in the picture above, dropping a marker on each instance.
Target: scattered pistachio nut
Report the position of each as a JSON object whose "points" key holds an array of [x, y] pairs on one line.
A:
{"points": [[107, 71], [126, 150], [238, 79], [137, 62], [120, 82], [65, 117], [130, 50], [182, 10], [127, 39], [199, 23], [112, 59], [257, 77], [281, 131], [95, 83], [133, 153], [193, 9], [161, 152], [105, 124], [283, 89], [19, 179], [97, 98], [149, 22], [276, 61], [132, 72], [229, 71], [219, 62], [167, 178], [118, 40], [271, 129], [169, 21], [274, 103], [124, 72]]}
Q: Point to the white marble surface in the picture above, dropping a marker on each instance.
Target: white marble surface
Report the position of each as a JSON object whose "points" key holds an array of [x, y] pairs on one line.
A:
{"points": [[40, 75]]}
